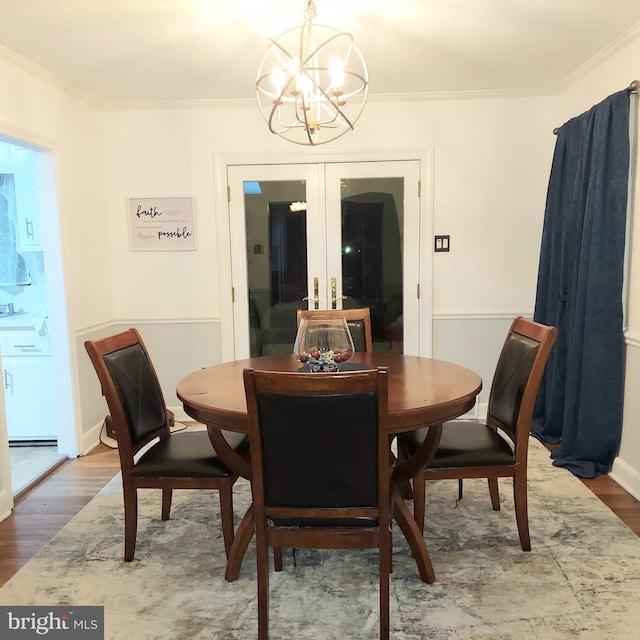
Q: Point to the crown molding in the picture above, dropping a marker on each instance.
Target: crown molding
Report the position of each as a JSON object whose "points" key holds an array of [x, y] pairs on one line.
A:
{"points": [[626, 38], [43, 74]]}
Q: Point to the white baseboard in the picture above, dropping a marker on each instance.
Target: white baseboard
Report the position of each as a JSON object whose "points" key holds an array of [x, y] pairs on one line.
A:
{"points": [[627, 477], [472, 414], [90, 438], [180, 414]]}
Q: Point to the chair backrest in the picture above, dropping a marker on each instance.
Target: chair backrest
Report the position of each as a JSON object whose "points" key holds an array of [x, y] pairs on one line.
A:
{"points": [[517, 377], [132, 391], [319, 446], [358, 320]]}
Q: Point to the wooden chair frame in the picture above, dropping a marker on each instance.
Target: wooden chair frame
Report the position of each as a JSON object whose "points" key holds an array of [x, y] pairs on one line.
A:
{"points": [[127, 450], [320, 537], [545, 336]]}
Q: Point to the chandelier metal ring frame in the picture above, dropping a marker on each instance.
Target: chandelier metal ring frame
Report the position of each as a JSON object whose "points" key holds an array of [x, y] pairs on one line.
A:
{"points": [[312, 83]]}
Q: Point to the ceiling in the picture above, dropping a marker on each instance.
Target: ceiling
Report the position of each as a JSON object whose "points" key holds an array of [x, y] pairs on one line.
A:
{"points": [[119, 52]]}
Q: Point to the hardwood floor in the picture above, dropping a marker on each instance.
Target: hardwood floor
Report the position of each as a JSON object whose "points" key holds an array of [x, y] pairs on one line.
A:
{"points": [[42, 512], [623, 504]]}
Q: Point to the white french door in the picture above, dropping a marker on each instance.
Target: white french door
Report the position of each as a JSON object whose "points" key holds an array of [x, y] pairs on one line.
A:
{"points": [[324, 236]]}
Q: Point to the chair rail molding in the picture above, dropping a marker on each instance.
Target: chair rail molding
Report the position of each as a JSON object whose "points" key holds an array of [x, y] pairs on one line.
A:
{"points": [[486, 315]]}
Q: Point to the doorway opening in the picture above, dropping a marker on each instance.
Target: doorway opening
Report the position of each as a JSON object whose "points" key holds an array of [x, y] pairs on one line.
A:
{"points": [[31, 313]]}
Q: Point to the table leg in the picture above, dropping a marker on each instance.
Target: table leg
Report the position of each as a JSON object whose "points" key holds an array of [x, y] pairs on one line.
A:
{"points": [[242, 466], [405, 470], [414, 537], [237, 463], [239, 546]]}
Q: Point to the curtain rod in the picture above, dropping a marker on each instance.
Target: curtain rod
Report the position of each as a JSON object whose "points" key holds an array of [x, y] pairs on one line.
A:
{"points": [[632, 88]]}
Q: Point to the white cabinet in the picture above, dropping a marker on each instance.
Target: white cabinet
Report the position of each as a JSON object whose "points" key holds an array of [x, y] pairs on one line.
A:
{"points": [[29, 233], [27, 378], [28, 395], [28, 216]]}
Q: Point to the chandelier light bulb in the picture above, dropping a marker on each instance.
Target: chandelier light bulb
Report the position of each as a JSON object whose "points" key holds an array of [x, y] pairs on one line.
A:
{"points": [[312, 83], [277, 77], [337, 75]]}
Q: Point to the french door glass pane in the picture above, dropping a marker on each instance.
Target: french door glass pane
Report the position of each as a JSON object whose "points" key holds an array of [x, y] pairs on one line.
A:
{"points": [[276, 249], [371, 230]]}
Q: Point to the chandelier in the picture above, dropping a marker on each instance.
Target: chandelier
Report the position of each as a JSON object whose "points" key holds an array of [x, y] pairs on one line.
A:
{"points": [[312, 83]]}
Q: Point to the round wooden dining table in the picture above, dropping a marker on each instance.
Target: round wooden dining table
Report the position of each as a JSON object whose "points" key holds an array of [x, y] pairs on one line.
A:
{"points": [[423, 392]]}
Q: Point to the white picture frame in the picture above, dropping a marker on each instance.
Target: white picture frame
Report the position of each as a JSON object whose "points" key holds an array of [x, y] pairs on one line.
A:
{"points": [[161, 224]]}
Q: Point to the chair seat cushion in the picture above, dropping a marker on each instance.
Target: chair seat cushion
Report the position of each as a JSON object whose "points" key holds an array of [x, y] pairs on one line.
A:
{"points": [[188, 454], [464, 444]]}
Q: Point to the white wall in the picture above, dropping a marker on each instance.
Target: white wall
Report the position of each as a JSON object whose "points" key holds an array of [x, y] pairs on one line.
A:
{"points": [[613, 74], [492, 160]]}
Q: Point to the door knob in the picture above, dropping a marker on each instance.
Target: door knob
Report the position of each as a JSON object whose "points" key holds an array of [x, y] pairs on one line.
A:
{"points": [[316, 294], [334, 297]]}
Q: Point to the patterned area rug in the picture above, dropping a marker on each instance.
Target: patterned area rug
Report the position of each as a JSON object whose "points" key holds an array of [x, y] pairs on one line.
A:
{"points": [[581, 580]]}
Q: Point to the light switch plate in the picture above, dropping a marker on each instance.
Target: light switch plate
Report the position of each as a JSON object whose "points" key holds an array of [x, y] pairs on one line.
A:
{"points": [[442, 243]]}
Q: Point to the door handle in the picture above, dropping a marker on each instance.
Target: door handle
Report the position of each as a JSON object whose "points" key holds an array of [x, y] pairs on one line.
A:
{"points": [[334, 297], [316, 294], [8, 380]]}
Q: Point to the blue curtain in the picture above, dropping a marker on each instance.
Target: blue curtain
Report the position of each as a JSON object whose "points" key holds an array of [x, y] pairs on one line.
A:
{"points": [[579, 289]]}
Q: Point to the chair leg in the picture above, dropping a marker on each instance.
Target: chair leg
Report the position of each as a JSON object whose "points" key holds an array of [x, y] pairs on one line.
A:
{"points": [[385, 570], [262, 565], [419, 497], [130, 522], [226, 515], [522, 518], [494, 493], [166, 503], [277, 558]]}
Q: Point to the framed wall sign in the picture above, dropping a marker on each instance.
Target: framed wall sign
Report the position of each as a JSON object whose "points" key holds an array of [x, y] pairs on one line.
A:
{"points": [[161, 224]]}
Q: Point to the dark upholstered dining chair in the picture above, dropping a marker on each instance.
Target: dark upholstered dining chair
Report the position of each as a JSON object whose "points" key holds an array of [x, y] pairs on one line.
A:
{"points": [[139, 416], [310, 489], [498, 447], [358, 320]]}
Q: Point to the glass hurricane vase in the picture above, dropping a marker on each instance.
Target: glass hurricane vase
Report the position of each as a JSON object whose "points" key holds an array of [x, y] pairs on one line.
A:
{"points": [[323, 343]]}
